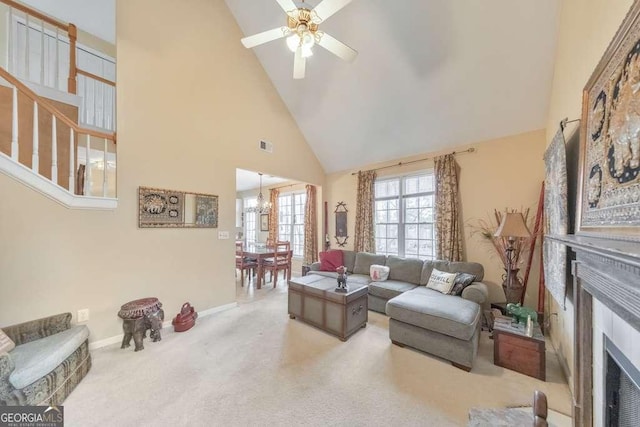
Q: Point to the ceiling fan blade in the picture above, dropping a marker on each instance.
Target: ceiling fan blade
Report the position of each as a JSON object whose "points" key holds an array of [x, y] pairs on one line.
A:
{"points": [[287, 5], [336, 47], [264, 37], [327, 8], [299, 64]]}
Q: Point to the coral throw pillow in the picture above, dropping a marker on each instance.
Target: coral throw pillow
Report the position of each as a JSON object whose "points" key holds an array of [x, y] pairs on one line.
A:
{"points": [[379, 273], [330, 260]]}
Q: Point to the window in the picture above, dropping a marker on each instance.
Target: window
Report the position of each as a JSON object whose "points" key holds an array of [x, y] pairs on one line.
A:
{"points": [[404, 216], [291, 221], [250, 231]]}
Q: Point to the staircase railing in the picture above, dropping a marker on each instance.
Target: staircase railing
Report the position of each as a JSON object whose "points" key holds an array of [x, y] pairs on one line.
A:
{"points": [[76, 132]]}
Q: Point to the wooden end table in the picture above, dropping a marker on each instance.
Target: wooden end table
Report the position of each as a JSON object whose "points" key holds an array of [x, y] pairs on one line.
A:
{"points": [[513, 349]]}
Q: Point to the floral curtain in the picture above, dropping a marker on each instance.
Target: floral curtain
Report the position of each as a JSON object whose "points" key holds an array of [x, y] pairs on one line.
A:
{"points": [[310, 227], [273, 216], [447, 213], [364, 240]]}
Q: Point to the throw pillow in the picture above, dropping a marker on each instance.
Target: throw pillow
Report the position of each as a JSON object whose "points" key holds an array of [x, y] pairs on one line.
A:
{"points": [[379, 273], [461, 281], [6, 344], [441, 281], [330, 260]]}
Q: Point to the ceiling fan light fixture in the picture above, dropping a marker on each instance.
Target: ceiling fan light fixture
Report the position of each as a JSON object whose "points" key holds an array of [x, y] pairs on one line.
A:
{"points": [[293, 41]]}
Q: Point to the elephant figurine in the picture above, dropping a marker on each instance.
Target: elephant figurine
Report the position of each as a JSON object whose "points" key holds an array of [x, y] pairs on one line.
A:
{"points": [[153, 322], [521, 313], [135, 328]]}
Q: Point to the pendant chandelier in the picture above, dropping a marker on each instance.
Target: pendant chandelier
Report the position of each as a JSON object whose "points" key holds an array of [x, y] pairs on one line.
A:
{"points": [[263, 206]]}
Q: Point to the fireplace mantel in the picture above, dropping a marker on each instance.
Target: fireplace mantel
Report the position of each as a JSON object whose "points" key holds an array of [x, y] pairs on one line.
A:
{"points": [[608, 270]]}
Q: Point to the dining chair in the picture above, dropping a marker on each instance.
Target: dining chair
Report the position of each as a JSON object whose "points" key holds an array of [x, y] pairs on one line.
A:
{"points": [[243, 263], [280, 260]]}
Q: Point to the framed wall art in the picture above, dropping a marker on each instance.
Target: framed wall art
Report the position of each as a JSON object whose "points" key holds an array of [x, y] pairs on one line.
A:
{"points": [[264, 222], [161, 208], [609, 196]]}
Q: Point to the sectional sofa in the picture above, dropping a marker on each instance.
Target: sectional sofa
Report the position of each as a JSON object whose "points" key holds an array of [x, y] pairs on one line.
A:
{"points": [[447, 326]]}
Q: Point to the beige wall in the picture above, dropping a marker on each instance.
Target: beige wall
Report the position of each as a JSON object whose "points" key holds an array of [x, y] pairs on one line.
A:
{"points": [[191, 108], [506, 172], [586, 28]]}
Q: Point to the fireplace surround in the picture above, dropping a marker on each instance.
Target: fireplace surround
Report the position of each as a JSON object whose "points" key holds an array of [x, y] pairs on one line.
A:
{"points": [[606, 297]]}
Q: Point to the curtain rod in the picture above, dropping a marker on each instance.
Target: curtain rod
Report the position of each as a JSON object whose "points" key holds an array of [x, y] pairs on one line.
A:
{"points": [[564, 122], [468, 150]]}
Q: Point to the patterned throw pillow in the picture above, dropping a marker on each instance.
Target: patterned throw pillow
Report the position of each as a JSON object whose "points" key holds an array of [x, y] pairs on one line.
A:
{"points": [[441, 281], [330, 260], [461, 281], [379, 273], [6, 345]]}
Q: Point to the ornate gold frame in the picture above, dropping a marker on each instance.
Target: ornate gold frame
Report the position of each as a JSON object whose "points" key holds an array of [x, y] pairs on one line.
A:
{"points": [[603, 205]]}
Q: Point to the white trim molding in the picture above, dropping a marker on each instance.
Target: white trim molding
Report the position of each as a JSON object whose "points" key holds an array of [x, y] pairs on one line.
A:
{"points": [[46, 187], [166, 324]]}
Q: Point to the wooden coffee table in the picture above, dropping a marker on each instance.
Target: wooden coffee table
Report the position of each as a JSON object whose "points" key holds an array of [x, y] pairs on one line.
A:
{"points": [[313, 300], [514, 350]]}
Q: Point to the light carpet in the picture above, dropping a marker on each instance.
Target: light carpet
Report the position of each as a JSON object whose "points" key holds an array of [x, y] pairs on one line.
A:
{"points": [[252, 365]]}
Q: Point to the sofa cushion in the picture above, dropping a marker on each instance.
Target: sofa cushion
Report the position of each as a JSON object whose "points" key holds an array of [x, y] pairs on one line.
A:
{"points": [[37, 358], [451, 267], [349, 260], [6, 343], [389, 288], [362, 279], [365, 260], [405, 269], [330, 260], [431, 310], [379, 273], [441, 281]]}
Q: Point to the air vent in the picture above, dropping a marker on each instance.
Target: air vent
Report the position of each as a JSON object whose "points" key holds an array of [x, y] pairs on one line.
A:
{"points": [[266, 146]]}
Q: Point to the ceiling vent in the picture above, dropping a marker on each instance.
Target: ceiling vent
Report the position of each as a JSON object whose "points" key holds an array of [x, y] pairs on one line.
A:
{"points": [[266, 146]]}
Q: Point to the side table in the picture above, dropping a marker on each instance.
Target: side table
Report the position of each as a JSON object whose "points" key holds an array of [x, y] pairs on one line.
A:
{"points": [[513, 349]]}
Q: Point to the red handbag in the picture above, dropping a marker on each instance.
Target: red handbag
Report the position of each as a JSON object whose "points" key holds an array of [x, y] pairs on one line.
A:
{"points": [[185, 319]]}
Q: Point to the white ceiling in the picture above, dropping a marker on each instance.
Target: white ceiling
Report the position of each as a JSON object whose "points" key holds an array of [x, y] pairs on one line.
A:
{"points": [[430, 74], [249, 180], [97, 17]]}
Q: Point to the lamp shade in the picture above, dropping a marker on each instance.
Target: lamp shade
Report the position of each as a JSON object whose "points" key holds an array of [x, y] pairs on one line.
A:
{"points": [[512, 225]]}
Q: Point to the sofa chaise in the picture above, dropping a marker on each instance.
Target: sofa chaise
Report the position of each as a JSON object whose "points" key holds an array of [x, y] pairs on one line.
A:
{"points": [[49, 359], [447, 326]]}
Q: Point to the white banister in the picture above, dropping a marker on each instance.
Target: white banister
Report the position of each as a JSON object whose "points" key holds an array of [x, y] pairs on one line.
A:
{"points": [[72, 166], [54, 150], [26, 56], [35, 161], [41, 53], [15, 148], [87, 168], [57, 63], [104, 173], [10, 53]]}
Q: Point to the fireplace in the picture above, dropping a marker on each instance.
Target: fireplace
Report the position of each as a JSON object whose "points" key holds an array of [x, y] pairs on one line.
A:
{"points": [[621, 388], [606, 298]]}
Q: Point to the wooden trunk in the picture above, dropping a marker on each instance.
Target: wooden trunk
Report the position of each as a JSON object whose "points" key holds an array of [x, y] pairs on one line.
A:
{"points": [[519, 352], [313, 299]]}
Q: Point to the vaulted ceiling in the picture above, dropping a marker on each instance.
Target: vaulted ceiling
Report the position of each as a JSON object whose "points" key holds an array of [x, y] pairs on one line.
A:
{"points": [[430, 74]]}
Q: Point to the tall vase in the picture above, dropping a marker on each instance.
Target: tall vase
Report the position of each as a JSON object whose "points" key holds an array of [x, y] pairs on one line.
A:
{"points": [[513, 292]]}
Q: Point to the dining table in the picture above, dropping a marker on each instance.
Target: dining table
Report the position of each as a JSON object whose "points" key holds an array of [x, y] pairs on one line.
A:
{"points": [[260, 252]]}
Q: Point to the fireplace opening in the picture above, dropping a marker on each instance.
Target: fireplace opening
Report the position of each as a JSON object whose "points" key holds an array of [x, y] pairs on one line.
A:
{"points": [[622, 389]]}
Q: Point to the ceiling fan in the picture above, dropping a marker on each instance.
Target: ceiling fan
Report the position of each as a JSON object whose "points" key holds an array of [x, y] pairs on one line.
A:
{"points": [[302, 33]]}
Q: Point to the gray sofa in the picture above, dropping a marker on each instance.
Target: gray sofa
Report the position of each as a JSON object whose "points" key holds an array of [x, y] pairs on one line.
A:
{"points": [[447, 326], [49, 360]]}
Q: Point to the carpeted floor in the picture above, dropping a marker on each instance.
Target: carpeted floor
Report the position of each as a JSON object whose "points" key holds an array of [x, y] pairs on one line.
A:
{"points": [[252, 365]]}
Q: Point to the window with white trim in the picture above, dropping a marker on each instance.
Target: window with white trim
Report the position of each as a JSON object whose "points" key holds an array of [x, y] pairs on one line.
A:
{"points": [[291, 221], [250, 215], [404, 216]]}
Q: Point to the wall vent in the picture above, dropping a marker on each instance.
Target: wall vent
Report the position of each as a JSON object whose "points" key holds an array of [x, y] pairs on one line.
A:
{"points": [[266, 146]]}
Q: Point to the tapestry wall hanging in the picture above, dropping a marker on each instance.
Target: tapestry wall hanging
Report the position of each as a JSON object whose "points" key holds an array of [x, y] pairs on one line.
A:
{"points": [[610, 138], [556, 216], [160, 208]]}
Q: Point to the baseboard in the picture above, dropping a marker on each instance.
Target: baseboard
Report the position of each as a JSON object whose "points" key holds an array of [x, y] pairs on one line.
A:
{"points": [[204, 313]]}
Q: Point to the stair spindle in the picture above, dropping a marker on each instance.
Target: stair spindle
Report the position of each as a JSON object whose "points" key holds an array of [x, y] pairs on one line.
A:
{"points": [[54, 150], [104, 172], [26, 56], [15, 148], [57, 63], [11, 53], [87, 169], [35, 161], [72, 166], [42, 53]]}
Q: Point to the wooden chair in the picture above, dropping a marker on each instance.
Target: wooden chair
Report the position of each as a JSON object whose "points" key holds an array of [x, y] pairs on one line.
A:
{"points": [[278, 262], [243, 263]]}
